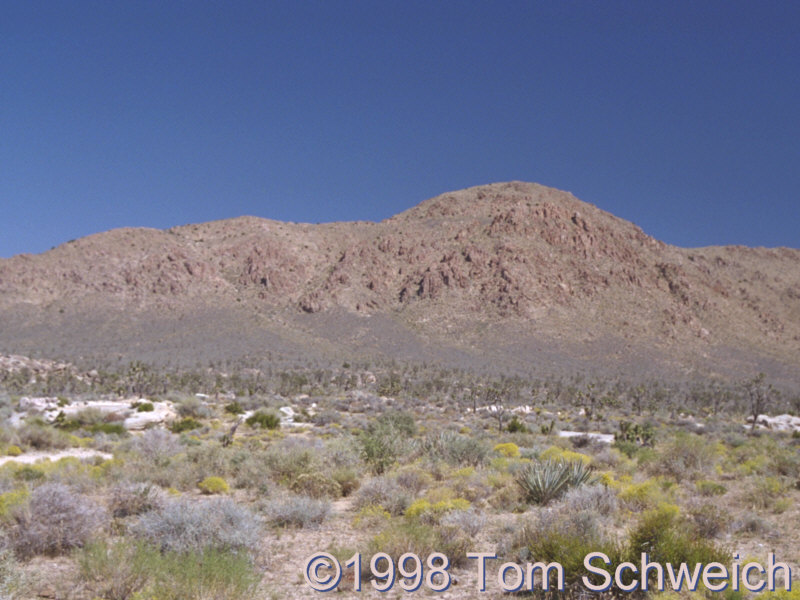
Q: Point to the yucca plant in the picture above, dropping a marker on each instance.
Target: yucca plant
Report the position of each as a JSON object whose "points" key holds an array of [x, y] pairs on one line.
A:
{"points": [[547, 480]]}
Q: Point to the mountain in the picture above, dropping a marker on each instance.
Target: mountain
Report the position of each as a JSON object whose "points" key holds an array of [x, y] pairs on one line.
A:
{"points": [[508, 277]]}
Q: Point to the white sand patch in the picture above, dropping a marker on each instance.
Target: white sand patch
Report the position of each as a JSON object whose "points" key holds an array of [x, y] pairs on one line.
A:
{"points": [[30, 458], [49, 409], [605, 438]]}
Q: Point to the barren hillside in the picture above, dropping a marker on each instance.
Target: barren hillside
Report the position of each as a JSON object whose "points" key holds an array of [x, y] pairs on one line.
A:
{"points": [[512, 276]]}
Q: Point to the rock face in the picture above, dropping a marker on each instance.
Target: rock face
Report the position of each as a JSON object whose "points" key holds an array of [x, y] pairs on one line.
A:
{"points": [[513, 275]]}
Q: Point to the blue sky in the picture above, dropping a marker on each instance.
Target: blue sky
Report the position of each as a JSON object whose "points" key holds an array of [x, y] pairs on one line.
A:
{"points": [[679, 116]]}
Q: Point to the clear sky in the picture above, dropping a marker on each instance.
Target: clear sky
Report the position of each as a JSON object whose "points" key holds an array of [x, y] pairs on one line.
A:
{"points": [[681, 116]]}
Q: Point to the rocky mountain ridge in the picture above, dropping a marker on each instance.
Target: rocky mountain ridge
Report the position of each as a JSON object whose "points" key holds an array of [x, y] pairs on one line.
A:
{"points": [[483, 274]]}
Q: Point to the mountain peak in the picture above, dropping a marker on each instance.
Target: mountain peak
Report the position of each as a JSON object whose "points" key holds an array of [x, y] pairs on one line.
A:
{"points": [[479, 271]]}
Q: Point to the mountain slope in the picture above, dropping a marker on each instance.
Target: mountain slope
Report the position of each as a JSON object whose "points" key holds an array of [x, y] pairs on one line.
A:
{"points": [[512, 276]]}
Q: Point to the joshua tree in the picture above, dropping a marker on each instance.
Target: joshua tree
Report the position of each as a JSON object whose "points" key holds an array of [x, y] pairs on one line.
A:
{"points": [[759, 393]]}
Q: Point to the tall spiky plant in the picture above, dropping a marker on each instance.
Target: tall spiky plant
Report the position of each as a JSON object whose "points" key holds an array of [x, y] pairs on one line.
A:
{"points": [[547, 480]]}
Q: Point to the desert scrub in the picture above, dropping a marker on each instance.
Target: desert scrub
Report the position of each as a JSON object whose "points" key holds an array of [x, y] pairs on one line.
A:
{"points": [[316, 485], [669, 537], [428, 512], [13, 450], [371, 517], [709, 520], [192, 406], [118, 570], [764, 492], [381, 445], [555, 453], [516, 426], [193, 525], [249, 470], [507, 449], [644, 494], [385, 492], [411, 535], [685, 456], [401, 421], [156, 445], [413, 479], [38, 435], [186, 424], [454, 449], [597, 499], [264, 419], [202, 575], [470, 521], [145, 407], [544, 481], [563, 537], [234, 408], [132, 498], [55, 520], [296, 511], [213, 485], [11, 500], [129, 569], [12, 578], [342, 451], [292, 457], [706, 487], [348, 478]]}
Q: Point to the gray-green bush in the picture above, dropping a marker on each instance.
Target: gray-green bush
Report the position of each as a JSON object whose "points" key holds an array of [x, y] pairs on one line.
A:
{"points": [[55, 520], [194, 525]]}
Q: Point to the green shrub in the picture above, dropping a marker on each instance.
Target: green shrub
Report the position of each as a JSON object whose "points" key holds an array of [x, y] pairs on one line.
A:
{"points": [[635, 433], [348, 479], [145, 407], [13, 581], [644, 494], [38, 435], [264, 419], [629, 449], [29, 473], [117, 571], [11, 500], [411, 535], [516, 426], [669, 537], [564, 537], [203, 575], [214, 485], [187, 424], [316, 485], [764, 492], [380, 447], [234, 408], [542, 482], [108, 428], [684, 457], [128, 570], [710, 488], [286, 461], [455, 449]]}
